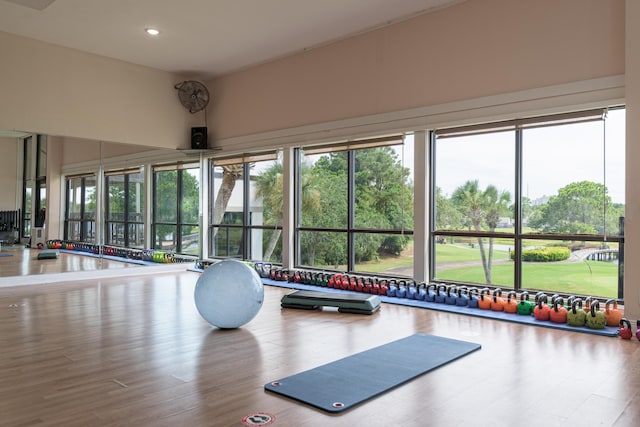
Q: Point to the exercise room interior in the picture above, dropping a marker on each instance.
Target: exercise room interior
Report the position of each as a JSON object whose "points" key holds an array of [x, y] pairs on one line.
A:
{"points": [[103, 154]]}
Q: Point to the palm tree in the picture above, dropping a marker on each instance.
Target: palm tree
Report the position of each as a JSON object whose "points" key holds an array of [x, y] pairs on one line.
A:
{"points": [[269, 187], [230, 175], [482, 206]]}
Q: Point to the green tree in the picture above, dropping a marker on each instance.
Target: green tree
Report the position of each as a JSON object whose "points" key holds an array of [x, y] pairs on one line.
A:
{"points": [[578, 208], [447, 216], [482, 209]]}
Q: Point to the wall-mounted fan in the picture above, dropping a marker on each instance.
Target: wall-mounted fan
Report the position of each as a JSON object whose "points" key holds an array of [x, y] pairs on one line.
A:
{"points": [[193, 95]]}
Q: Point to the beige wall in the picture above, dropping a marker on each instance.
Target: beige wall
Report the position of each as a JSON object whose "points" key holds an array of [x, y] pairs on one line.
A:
{"points": [[51, 90], [84, 150], [8, 173], [632, 209], [474, 49]]}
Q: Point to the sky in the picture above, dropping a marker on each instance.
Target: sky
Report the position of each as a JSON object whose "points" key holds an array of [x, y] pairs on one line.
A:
{"points": [[552, 158]]}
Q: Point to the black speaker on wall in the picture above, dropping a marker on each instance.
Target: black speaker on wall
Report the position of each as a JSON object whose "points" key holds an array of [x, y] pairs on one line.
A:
{"points": [[199, 138]]}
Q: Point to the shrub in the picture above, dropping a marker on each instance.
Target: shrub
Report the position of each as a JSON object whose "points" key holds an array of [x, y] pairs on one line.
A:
{"points": [[545, 254]]}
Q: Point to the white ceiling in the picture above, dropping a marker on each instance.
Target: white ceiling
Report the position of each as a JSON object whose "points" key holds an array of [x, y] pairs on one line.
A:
{"points": [[202, 38]]}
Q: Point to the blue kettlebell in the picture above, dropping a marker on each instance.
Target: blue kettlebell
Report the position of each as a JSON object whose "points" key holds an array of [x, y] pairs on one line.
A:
{"points": [[451, 297], [393, 288], [402, 289], [441, 294], [412, 290], [463, 297], [431, 293], [473, 298], [422, 292]]}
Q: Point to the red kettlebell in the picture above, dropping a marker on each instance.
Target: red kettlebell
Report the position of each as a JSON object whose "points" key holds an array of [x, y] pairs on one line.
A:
{"points": [[542, 310], [558, 313], [625, 329], [384, 287]]}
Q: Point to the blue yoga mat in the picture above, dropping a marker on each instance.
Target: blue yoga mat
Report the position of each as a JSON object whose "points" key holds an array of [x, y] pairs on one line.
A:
{"points": [[340, 385]]}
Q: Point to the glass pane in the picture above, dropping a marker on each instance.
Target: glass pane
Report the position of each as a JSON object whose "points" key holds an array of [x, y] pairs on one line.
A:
{"points": [[89, 231], [384, 187], [90, 197], [266, 193], [190, 239], [266, 245], [115, 234], [190, 203], [390, 254], [228, 194], [73, 231], [165, 237], [576, 268], [323, 190], [475, 260], [564, 178], [74, 198], [227, 242], [115, 198], [323, 249], [41, 167], [136, 197], [475, 178], [615, 168], [136, 236], [165, 190]]}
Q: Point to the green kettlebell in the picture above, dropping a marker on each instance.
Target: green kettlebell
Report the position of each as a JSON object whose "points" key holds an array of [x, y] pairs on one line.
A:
{"points": [[576, 316], [595, 318], [525, 307]]}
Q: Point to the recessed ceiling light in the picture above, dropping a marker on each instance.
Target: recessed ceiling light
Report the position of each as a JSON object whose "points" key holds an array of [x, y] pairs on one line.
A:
{"points": [[152, 31]]}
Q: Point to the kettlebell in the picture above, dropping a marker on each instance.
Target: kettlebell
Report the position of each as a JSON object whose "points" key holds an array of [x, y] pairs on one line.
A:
{"points": [[402, 289], [541, 310], [463, 297], [441, 294], [451, 297], [625, 329], [558, 313], [384, 287], [576, 316], [497, 302], [596, 319], [511, 305], [613, 315], [412, 290], [431, 293], [525, 307], [473, 298], [393, 288], [422, 292], [587, 305], [638, 329], [484, 303]]}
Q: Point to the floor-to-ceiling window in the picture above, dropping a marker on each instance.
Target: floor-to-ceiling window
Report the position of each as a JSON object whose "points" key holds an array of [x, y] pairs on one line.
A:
{"points": [[124, 208], [355, 206], [246, 213], [534, 204], [176, 208], [80, 212]]}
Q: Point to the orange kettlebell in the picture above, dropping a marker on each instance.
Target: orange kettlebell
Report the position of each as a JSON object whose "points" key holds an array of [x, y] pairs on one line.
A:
{"points": [[613, 315], [497, 302], [484, 303], [511, 304]]}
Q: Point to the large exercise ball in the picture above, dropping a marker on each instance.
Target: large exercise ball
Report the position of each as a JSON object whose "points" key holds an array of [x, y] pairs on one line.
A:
{"points": [[229, 294]]}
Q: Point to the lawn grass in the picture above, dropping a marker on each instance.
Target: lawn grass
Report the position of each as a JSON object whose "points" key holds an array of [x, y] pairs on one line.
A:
{"points": [[585, 278], [463, 253]]}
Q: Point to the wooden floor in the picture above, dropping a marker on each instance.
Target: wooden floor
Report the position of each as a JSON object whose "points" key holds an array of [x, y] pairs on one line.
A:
{"points": [[114, 352]]}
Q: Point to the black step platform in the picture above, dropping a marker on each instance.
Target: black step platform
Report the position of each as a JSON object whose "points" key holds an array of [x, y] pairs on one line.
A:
{"points": [[346, 303]]}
